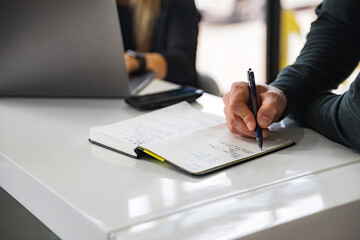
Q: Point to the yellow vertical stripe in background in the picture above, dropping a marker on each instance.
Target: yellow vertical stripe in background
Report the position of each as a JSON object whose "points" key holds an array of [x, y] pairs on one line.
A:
{"points": [[288, 25]]}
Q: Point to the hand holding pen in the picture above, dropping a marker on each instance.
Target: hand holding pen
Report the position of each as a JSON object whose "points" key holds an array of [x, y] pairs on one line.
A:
{"points": [[239, 116]]}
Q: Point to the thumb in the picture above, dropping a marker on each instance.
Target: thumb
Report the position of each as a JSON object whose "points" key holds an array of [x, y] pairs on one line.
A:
{"points": [[266, 114]]}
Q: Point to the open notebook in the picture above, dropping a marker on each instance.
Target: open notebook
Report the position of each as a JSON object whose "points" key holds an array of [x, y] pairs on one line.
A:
{"points": [[187, 138]]}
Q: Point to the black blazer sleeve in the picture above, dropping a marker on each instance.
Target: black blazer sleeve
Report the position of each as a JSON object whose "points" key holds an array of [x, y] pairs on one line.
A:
{"points": [[180, 36]]}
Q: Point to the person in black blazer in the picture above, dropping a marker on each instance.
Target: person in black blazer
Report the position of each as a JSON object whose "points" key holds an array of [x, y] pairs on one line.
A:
{"points": [[162, 35]]}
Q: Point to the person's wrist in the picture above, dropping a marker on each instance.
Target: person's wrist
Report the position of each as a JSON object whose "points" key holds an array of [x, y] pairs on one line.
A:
{"points": [[140, 58]]}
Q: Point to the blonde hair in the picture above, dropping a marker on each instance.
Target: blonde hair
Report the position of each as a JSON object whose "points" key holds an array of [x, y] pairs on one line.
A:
{"points": [[145, 14]]}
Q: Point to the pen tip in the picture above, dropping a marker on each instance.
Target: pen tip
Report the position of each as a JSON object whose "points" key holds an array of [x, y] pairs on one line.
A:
{"points": [[260, 144]]}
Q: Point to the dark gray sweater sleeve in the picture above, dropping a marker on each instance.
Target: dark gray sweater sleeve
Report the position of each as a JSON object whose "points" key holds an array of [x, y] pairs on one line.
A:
{"points": [[329, 56]]}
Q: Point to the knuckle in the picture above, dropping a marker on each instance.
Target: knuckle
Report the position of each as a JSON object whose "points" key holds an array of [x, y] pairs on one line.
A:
{"points": [[238, 85], [243, 92], [232, 122], [234, 85], [232, 106], [273, 94], [224, 98], [243, 113], [233, 130]]}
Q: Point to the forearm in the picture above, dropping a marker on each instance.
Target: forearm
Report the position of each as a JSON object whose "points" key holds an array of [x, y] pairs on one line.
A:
{"points": [[157, 63], [336, 117], [328, 57]]}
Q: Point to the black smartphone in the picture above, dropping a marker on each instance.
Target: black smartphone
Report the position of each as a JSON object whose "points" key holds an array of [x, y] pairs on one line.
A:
{"points": [[163, 99]]}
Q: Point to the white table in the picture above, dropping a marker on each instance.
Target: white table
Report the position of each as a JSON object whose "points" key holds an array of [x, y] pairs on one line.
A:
{"points": [[82, 191]]}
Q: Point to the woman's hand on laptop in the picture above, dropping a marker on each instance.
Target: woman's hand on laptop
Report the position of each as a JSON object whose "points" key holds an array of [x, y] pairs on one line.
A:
{"points": [[132, 64]]}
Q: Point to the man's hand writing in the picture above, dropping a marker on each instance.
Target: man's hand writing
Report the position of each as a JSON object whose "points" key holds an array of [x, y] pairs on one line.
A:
{"points": [[240, 120]]}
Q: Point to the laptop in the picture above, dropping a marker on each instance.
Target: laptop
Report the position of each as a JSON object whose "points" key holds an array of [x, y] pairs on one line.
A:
{"points": [[68, 48]]}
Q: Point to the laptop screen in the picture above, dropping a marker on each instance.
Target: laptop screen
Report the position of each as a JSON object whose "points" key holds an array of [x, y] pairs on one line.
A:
{"points": [[65, 48]]}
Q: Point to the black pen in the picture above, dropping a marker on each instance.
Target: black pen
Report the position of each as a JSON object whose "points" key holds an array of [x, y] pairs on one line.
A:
{"points": [[254, 107]]}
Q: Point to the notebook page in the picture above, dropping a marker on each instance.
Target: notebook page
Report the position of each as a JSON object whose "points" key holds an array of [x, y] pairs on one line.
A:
{"points": [[160, 124], [211, 148]]}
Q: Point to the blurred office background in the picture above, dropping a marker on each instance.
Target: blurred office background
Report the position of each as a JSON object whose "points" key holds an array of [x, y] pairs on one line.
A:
{"points": [[232, 37]]}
